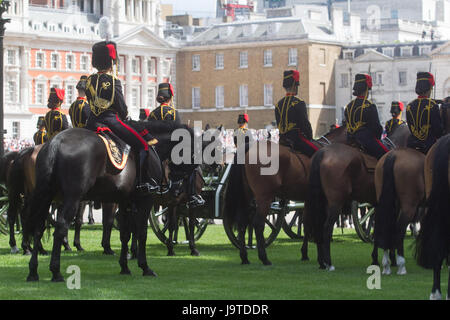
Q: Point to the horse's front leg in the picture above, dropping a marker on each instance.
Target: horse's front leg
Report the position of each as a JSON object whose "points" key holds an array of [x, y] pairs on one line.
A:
{"points": [[436, 290], [141, 226], [125, 234], [172, 224], [78, 224], [108, 211], [192, 222], [259, 220]]}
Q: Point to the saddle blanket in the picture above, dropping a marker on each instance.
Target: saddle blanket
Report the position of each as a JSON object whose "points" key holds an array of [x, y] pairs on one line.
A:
{"points": [[118, 150]]}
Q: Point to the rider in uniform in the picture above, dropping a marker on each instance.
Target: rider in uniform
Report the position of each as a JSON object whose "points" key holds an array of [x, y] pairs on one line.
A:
{"points": [[422, 115], [143, 114], [292, 117], [40, 136], [166, 110], [396, 121], [242, 130], [108, 107], [80, 110], [55, 120], [361, 115]]}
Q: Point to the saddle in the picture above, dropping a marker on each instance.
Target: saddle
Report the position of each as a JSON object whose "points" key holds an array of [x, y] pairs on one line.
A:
{"points": [[116, 148], [370, 162]]}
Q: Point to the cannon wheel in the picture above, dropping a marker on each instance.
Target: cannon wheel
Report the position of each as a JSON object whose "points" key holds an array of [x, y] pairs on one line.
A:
{"points": [[4, 205], [159, 225], [363, 219], [292, 224], [274, 221]]}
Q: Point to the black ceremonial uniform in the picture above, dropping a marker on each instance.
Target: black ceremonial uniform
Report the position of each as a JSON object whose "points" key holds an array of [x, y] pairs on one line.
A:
{"points": [[40, 137], [55, 120], [392, 124], [79, 112], [165, 112]]}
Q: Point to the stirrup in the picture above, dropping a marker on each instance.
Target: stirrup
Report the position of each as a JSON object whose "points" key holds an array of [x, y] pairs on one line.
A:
{"points": [[146, 188], [195, 201]]}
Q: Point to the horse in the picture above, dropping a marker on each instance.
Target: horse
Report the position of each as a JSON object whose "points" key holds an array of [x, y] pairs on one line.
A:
{"points": [[246, 183], [339, 174], [73, 166], [432, 245]]}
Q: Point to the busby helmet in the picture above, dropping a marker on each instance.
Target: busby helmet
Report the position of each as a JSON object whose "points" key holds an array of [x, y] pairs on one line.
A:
{"points": [[363, 83], [40, 122], [242, 118], [397, 107], [291, 78], [143, 114], [56, 96], [104, 54], [425, 82], [165, 92], [81, 85]]}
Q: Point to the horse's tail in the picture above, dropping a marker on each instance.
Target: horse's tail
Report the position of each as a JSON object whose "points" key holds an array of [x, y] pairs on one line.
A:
{"points": [[316, 202], [43, 193], [432, 244], [385, 211], [236, 206]]}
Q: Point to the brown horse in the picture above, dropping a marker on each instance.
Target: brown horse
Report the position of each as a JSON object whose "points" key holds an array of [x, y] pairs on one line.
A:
{"points": [[247, 182], [433, 241], [400, 189]]}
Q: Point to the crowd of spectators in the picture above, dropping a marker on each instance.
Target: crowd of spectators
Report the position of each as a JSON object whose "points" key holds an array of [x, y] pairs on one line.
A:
{"points": [[10, 144]]}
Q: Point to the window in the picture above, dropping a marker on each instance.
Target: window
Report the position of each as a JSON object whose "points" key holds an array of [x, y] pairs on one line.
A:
{"points": [[39, 59], [267, 58], [91, 6], [292, 57], [122, 64], [324, 92], [67, 29], [196, 62], [52, 27], [11, 57], [425, 50], [16, 130], [344, 80], [322, 57], [151, 97], [84, 63], [54, 61], [166, 67], [70, 62], [40, 93], [135, 65], [134, 97], [151, 66], [243, 95], [219, 61], [388, 52], [402, 80], [268, 94], [348, 54], [243, 59], [220, 97], [196, 98], [70, 93], [406, 52], [11, 92]]}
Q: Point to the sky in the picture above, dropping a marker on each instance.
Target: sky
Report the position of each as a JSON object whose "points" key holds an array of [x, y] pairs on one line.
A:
{"points": [[197, 8]]}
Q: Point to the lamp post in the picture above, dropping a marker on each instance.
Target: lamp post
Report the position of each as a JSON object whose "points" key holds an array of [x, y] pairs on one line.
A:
{"points": [[4, 6]]}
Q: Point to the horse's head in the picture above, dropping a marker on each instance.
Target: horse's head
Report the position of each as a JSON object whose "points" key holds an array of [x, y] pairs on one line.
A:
{"points": [[338, 135]]}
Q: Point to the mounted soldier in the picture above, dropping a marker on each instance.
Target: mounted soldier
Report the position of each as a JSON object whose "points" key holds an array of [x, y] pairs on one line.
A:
{"points": [[55, 120], [40, 136], [108, 107], [242, 130], [144, 114], [80, 110], [361, 118], [292, 117], [396, 112], [422, 115], [166, 110]]}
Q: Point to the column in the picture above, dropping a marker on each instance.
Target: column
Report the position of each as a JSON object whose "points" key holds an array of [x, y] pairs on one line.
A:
{"points": [[144, 87], [128, 80], [23, 83], [159, 67]]}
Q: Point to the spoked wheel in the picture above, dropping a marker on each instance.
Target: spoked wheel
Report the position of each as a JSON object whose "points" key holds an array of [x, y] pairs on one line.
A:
{"points": [[159, 224], [272, 228], [4, 205], [363, 219], [292, 224]]}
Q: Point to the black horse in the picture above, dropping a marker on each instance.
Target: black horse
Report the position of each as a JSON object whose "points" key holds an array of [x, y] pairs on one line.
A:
{"points": [[73, 166]]}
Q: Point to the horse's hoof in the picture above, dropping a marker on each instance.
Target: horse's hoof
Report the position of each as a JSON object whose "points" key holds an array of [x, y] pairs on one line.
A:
{"points": [[401, 271], [245, 262], [32, 278], [170, 254], [108, 252], [436, 295], [386, 272], [67, 249], [79, 248], [43, 252], [149, 273], [375, 263], [27, 253], [331, 268], [305, 258], [125, 271], [195, 253], [322, 267], [267, 263], [58, 278], [14, 250]]}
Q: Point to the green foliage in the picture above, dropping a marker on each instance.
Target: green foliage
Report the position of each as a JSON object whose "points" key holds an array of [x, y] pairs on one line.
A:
{"points": [[217, 274]]}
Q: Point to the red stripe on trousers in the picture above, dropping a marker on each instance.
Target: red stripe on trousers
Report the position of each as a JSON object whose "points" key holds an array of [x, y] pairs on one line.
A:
{"points": [[382, 145], [134, 133], [308, 142]]}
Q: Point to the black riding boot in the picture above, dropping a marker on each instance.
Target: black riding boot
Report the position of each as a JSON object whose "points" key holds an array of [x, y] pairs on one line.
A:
{"points": [[151, 186], [195, 200]]}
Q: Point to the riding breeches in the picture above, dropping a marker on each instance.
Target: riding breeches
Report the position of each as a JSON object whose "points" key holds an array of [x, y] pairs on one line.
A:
{"points": [[419, 145], [369, 142], [300, 143]]}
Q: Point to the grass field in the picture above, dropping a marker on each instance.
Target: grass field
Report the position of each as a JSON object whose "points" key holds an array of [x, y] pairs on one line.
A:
{"points": [[216, 274]]}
